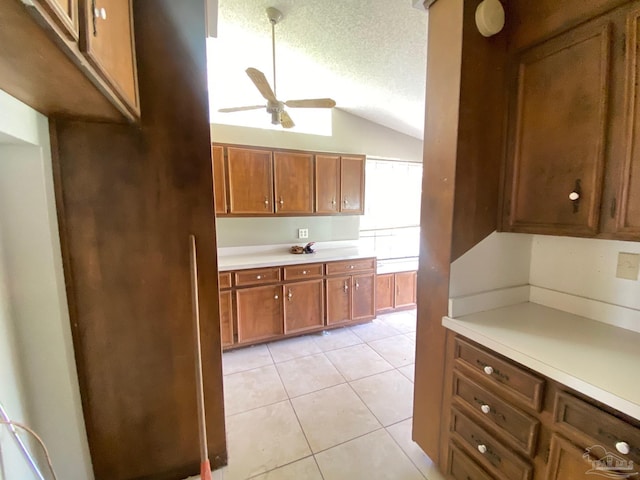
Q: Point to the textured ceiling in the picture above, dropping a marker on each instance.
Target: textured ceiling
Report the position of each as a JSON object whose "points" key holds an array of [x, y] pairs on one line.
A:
{"points": [[368, 55]]}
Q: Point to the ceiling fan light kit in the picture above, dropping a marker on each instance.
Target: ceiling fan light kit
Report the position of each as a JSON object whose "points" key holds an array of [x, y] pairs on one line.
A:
{"points": [[275, 107]]}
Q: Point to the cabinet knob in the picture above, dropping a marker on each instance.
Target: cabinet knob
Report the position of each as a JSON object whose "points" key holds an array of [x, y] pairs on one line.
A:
{"points": [[281, 201], [623, 448], [346, 287], [488, 369], [290, 295], [333, 202], [351, 267], [573, 196], [276, 296], [482, 448], [258, 277], [266, 202], [485, 408], [346, 202], [357, 285], [304, 272], [100, 13]]}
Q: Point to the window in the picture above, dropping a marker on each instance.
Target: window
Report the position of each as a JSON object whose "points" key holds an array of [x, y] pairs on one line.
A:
{"points": [[391, 222]]}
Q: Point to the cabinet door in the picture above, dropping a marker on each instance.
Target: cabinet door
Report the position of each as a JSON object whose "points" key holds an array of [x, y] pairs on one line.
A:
{"points": [[566, 461], [293, 179], [364, 296], [303, 306], [352, 185], [107, 40], [250, 181], [628, 210], [226, 319], [338, 300], [327, 183], [64, 13], [259, 312], [559, 128], [384, 292], [219, 183], [405, 294]]}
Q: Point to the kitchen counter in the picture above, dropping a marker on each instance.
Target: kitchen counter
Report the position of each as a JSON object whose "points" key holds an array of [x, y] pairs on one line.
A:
{"points": [[594, 358], [257, 257]]}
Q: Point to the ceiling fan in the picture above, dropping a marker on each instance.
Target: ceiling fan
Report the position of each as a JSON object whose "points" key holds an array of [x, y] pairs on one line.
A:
{"points": [[275, 107]]}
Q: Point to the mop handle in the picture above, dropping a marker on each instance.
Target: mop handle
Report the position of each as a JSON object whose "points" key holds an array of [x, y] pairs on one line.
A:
{"points": [[204, 454]]}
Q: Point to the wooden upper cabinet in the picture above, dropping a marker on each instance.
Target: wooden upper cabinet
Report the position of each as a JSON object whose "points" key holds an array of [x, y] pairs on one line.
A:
{"points": [[293, 182], [107, 40], [626, 209], [219, 179], [250, 181], [558, 132], [63, 13], [352, 184], [327, 183]]}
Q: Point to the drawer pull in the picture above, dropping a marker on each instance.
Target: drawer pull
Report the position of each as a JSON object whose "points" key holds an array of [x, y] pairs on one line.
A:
{"points": [[623, 448], [482, 448], [488, 369], [485, 408]]}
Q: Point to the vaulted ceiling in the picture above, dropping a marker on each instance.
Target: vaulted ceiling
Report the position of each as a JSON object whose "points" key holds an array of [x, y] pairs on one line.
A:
{"points": [[368, 55]]}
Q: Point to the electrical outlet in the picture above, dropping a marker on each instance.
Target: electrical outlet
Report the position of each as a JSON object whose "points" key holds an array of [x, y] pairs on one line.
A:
{"points": [[628, 266], [303, 233]]}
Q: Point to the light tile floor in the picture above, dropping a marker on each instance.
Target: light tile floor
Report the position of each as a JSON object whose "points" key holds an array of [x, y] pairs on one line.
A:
{"points": [[328, 406]]}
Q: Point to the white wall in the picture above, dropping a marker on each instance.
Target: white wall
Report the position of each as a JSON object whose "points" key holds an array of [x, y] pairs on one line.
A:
{"points": [[583, 267], [241, 232], [351, 134], [500, 260], [43, 362]]}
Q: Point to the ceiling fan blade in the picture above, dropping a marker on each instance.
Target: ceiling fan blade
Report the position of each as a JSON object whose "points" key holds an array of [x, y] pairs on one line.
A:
{"points": [[261, 83], [285, 120], [311, 103], [240, 109]]}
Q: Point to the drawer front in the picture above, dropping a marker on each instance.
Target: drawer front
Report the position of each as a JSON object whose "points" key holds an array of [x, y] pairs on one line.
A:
{"points": [[517, 384], [461, 467], [257, 276], [340, 268], [516, 425], [598, 427], [302, 272], [488, 451], [224, 280]]}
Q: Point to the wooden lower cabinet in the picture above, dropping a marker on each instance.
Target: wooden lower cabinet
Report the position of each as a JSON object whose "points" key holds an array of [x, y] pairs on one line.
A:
{"points": [[226, 318], [260, 314], [363, 296], [395, 291], [385, 286], [338, 300], [303, 306], [405, 290], [547, 433]]}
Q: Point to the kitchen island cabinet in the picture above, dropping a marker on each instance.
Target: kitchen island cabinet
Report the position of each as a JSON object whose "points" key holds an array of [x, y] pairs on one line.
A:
{"points": [[277, 301]]}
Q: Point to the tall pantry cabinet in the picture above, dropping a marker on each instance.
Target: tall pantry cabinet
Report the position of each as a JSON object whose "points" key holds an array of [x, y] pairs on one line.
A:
{"points": [[128, 197]]}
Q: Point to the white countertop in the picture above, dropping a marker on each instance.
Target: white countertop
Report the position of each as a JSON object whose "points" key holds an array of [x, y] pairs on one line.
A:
{"points": [[593, 358], [281, 256]]}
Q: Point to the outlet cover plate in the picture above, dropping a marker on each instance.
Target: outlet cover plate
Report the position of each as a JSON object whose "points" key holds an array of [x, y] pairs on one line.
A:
{"points": [[628, 266], [303, 233]]}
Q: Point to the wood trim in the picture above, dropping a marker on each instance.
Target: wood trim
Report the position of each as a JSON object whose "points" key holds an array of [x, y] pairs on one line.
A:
{"points": [[52, 11], [631, 140]]}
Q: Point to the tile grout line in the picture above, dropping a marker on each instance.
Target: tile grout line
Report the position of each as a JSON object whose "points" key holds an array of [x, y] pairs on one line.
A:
{"points": [[402, 449]]}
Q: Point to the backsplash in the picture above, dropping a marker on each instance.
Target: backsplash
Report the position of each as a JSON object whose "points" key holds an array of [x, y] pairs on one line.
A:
{"points": [[241, 232]]}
